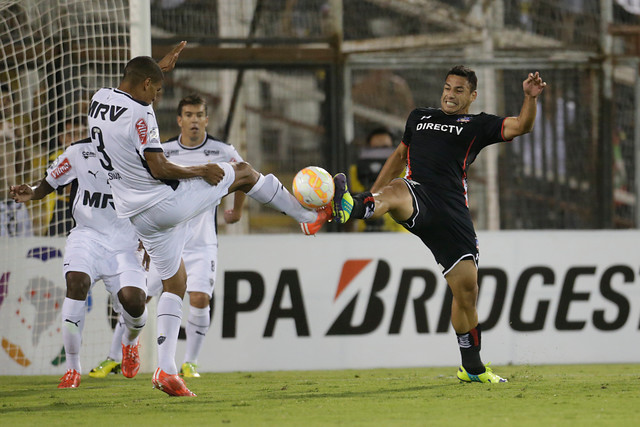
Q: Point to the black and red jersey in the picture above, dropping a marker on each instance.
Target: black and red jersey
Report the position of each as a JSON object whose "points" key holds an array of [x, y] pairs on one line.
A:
{"points": [[442, 146]]}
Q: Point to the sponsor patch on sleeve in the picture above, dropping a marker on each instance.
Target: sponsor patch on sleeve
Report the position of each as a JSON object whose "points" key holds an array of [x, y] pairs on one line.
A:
{"points": [[154, 134], [62, 168], [141, 128]]}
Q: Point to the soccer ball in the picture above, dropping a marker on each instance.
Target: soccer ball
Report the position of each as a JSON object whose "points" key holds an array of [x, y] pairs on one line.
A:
{"points": [[313, 187]]}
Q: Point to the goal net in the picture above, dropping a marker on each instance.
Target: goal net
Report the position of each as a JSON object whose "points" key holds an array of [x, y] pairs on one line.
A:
{"points": [[54, 55]]}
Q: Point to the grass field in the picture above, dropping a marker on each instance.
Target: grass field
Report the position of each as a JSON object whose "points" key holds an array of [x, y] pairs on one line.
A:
{"points": [[567, 395]]}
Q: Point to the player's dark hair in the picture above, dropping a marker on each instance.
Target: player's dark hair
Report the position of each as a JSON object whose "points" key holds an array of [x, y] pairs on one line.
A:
{"points": [[193, 99], [378, 131], [76, 121], [141, 68], [467, 73]]}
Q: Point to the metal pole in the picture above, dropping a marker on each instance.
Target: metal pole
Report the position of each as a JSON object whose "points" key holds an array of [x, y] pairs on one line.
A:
{"points": [[636, 145], [140, 29], [240, 76], [489, 88]]}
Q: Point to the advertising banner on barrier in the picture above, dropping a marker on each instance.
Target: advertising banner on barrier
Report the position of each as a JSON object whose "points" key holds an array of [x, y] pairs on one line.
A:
{"points": [[373, 300]]}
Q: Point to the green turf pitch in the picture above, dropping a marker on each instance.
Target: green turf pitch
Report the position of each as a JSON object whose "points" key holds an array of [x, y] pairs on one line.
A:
{"points": [[584, 395]]}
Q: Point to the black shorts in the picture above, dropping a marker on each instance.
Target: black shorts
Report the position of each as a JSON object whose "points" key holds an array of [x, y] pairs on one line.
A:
{"points": [[444, 227]]}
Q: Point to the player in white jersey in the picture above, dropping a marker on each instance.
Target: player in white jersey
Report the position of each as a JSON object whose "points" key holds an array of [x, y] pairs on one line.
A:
{"points": [[159, 197], [194, 146], [100, 246]]}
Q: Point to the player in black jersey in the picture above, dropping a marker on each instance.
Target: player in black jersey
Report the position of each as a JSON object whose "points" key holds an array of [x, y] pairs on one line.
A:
{"points": [[438, 146]]}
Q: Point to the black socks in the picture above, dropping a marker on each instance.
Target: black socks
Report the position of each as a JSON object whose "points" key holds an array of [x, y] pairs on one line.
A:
{"points": [[363, 205], [469, 344]]}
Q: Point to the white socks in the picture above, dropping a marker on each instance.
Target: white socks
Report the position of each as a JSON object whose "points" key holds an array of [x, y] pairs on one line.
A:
{"points": [[169, 318], [270, 191], [197, 327], [134, 327], [115, 352], [73, 313]]}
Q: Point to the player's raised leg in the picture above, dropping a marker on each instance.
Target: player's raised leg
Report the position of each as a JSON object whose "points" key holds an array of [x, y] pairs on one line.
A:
{"points": [[269, 191], [394, 199]]}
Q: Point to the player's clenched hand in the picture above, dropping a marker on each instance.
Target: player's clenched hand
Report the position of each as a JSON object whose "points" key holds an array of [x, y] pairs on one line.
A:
{"points": [[21, 193], [533, 84], [213, 173], [146, 259], [167, 63], [231, 216]]}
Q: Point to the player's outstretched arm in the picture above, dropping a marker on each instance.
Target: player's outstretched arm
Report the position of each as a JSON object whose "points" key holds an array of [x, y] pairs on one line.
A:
{"points": [[167, 63], [162, 168], [516, 126], [23, 193]]}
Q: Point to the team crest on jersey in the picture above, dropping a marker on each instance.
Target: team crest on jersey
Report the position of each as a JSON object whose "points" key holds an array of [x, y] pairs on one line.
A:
{"points": [[61, 169], [141, 127], [465, 119]]}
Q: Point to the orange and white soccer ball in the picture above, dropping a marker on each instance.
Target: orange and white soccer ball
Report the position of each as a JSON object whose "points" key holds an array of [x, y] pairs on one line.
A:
{"points": [[313, 187]]}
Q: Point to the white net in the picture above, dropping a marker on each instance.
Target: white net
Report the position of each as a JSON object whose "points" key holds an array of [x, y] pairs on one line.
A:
{"points": [[54, 54]]}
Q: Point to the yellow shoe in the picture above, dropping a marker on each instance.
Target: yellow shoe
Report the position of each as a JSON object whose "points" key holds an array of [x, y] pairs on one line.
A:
{"points": [[189, 370], [104, 368], [342, 202], [486, 377]]}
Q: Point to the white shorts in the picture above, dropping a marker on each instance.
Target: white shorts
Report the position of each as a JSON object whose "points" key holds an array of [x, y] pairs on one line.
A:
{"points": [[162, 228], [117, 268], [200, 262]]}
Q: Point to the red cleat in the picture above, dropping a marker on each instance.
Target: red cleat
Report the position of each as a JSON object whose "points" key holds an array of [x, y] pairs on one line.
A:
{"points": [[324, 214], [173, 385], [71, 379], [130, 360]]}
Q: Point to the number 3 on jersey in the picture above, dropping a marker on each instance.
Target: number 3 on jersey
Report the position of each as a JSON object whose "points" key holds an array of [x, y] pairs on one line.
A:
{"points": [[96, 135]]}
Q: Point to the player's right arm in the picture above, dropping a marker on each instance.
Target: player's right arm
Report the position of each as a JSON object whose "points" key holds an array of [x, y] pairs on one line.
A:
{"points": [[162, 168], [392, 168], [60, 172], [23, 193]]}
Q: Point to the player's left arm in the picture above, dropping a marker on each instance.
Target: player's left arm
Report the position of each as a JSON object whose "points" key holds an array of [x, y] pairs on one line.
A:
{"points": [[516, 126], [167, 63], [162, 168], [233, 215]]}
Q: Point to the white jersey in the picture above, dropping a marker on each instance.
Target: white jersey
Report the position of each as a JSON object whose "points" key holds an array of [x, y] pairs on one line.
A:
{"points": [[203, 227], [91, 201], [123, 128]]}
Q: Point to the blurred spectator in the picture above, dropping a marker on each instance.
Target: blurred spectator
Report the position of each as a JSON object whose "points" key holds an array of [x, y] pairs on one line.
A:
{"points": [[14, 217], [379, 146], [572, 12], [380, 97]]}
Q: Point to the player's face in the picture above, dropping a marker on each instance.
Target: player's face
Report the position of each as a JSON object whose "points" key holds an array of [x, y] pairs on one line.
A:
{"points": [[193, 122], [152, 90], [457, 95]]}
